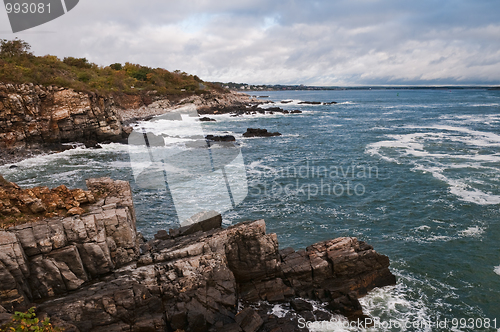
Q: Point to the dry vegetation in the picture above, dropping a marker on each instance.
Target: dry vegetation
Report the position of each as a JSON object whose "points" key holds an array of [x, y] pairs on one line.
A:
{"points": [[19, 65]]}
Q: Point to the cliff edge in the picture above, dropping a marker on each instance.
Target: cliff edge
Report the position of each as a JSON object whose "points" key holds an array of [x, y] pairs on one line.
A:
{"points": [[94, 272]]}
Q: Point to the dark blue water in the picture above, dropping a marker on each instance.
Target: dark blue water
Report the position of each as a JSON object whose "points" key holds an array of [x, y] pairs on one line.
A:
{"points": [[413, 172]]}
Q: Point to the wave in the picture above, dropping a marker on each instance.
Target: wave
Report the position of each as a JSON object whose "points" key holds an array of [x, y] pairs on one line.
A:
{"points": [[300, 103], [439, 150]]}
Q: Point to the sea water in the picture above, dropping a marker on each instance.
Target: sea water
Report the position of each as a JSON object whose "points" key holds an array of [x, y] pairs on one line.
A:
{"points": [[415, 173]]}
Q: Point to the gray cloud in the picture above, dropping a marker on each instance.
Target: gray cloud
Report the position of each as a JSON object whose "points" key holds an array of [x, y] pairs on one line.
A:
{"points": [[286, 41]]}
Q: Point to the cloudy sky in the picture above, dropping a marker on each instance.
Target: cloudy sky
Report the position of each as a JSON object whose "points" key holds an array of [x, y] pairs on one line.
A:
{"points": [[325, 42]]}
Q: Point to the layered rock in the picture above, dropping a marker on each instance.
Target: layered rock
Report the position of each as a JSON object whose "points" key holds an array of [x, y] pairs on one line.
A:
{"points": [[52, 256], [207, 103], [34, 116], [94, 273]]}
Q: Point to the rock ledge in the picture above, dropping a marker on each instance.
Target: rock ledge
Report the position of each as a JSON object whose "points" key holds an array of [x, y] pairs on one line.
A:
{"points": [[95, 273]]}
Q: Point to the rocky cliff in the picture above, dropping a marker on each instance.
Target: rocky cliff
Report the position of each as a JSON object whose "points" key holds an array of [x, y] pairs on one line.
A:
{"points": [[209, 102], [53, 256], [93, 272], [34, 116]]}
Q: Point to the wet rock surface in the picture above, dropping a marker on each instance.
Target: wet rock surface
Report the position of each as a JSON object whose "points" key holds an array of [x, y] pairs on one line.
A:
{"points": [[95, 273]]}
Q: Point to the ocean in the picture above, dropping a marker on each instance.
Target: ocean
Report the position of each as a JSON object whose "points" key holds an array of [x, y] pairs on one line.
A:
{"points": [[415, 173]]}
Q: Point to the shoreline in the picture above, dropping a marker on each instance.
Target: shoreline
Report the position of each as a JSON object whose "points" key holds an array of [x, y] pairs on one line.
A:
{"points": [[94, 270], [60, 129]]}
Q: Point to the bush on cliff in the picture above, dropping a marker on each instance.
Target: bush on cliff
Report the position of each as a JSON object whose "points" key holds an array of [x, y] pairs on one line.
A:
{"points": [[27, 321], [18, 65]]}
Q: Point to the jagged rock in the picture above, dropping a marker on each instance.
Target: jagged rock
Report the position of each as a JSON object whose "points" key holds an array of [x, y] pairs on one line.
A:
{"points": [[249, 320], [223, 138], [257, 132], [162, 235], [14, 271], [301, 305], [41, 201], [86, 273], [54, 256], [76, 211], [33, 116]]}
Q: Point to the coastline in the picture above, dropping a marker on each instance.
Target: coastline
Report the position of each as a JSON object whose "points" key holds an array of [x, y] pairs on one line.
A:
{"points": [[93, 271], [36, 120]]}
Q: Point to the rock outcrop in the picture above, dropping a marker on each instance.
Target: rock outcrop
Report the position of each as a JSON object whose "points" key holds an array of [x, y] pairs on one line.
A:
{"points": [[207, 103], [219, 138], [94, 273], [34, 116], [52, 256], [206, 119], [257, 132], [18, 205]]}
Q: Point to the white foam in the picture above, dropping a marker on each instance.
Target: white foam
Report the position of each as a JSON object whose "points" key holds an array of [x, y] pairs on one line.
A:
{"points": [[297, 102], [279, 311], [484, 105], [412, 149], [474, 231], [497, 271]]}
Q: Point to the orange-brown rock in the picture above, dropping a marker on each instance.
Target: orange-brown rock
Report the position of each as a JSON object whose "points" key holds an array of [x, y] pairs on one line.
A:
{"points": [[41, 201], [35, 116]]}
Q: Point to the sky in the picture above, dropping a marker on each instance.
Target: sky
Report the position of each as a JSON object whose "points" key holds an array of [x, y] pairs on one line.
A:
{"points": [[325, 42]]}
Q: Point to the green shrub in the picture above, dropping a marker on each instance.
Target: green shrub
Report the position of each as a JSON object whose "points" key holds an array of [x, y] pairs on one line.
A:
{"points": [[28, 321], [77, 62], [14, 48], [17, 65], [84, 77], [116, 66]]}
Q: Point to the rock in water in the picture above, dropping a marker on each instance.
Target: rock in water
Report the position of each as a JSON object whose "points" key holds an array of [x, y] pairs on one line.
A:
{"points": [[206, 119], [224, 138], [310, 103], [257, 132]]}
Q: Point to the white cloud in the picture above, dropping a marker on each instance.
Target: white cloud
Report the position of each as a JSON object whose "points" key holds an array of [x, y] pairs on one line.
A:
{"points": [[285, 41]]}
